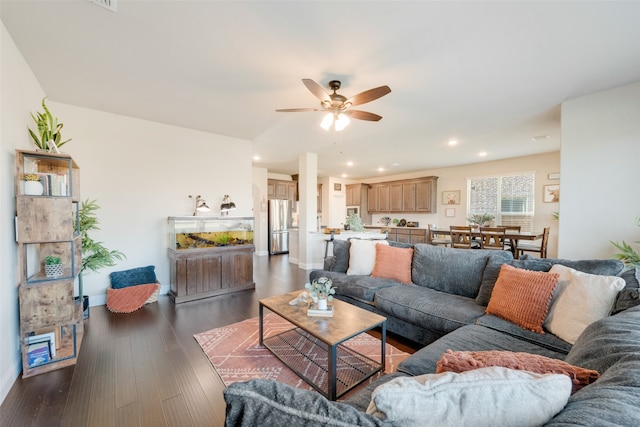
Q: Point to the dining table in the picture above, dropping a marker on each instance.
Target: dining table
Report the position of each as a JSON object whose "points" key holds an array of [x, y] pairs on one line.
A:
{"points": [[512, 236]]}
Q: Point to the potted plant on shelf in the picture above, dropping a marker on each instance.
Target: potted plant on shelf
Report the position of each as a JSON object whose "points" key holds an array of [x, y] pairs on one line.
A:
{"points": [[48, 136], [481, 220], [53, 266], [354, 223], [32, 184], [321, 291]]}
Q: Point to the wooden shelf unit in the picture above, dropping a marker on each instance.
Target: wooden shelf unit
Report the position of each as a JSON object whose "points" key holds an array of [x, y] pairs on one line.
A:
{"points": [[45, 226]]}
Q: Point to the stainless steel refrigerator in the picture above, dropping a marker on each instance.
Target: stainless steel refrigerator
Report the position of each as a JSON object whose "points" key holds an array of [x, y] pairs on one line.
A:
{"points": [[279, 225]]}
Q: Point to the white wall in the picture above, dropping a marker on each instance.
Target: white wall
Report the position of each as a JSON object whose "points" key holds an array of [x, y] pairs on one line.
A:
{"points": [[261, 215], [20, 93], [600, 172], [142, 172]]}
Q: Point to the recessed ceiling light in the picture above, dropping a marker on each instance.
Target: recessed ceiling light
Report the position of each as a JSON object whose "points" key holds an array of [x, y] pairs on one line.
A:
{"points": [[256, 158], [453, 142], [344, 175], [380, 169], [349, 163], [541, 138], [482, 153]]}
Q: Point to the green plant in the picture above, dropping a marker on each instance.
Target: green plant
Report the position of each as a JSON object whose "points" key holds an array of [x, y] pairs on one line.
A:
{"points": [[323, 287], [52, 260], [48, 129], [355, 223], [627, 254], [223, 239], [94, 255], [480, 219], [556, 215]]}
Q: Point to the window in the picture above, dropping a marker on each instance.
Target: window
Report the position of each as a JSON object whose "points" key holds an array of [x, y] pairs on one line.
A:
{"points": [[509, 197]]}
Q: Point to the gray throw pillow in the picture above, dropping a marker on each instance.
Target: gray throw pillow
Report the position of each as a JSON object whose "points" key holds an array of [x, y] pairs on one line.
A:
{"points": [[602, 267], [630, 295], [341, 256], [492, 270], [270, 403]]}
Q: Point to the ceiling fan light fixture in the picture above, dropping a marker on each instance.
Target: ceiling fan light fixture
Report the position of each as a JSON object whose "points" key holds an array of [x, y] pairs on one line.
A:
{"points": [[327, 121], [342, 122]]}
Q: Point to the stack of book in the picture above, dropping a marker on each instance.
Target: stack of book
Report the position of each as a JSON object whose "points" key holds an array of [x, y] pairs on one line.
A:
{"points": [[41, 348], [313, 310]]}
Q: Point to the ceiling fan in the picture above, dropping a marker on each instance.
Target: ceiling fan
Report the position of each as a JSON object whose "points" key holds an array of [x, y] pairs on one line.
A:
{"points": [[338, 107]]}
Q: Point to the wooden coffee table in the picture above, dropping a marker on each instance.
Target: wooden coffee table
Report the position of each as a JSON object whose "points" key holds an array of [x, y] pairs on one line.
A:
{"points": [[318, 342]]}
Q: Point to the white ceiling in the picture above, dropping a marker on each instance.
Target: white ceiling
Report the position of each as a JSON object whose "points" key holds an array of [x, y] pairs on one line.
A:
{"points": [[490, 74]]}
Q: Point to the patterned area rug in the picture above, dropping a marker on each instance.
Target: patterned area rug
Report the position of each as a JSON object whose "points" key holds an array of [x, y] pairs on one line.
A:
{"points": [[236, 355]]}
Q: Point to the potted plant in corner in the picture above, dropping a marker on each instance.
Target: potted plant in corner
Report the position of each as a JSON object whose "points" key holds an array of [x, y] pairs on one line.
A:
{"points": [[627, 254], [53, 266], [48, 136], [94, 255]]}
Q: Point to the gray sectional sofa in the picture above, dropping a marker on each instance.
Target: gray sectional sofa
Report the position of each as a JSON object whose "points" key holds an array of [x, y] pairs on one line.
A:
{"points": [[444, 309]]}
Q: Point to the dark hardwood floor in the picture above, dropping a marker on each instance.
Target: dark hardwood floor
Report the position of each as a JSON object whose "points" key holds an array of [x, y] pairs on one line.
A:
{"points": [[145, 368]]}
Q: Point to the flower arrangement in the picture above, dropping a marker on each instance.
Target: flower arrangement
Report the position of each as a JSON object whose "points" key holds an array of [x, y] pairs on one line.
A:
{"points": [[481, 219], [323, 287], [30, 177]]}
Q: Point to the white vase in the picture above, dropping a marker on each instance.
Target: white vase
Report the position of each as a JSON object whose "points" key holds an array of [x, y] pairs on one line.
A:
{"points": [[322, 303], [33, 188]]}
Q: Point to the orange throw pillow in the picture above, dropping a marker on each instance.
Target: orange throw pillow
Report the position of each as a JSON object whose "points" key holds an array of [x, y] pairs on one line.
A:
{"points": [[522, 296], [393, 263], [461, 361]]}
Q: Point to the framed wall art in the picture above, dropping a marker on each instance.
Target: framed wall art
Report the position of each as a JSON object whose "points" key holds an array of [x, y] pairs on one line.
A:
{"points": [[450, 212], [451, 197], [337, 186], [551, 193]]}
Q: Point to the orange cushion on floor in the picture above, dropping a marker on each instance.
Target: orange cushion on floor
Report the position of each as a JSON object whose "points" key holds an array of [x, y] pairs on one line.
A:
{"points": [[393, 263], [522, 296]]}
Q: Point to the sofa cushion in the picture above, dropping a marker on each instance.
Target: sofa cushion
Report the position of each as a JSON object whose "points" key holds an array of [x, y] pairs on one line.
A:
{"points": [[492, 270], [630, 295], [270, 403], [585, 299], [393, 263], [612, 347], [362, 256], [430, 309], [603, 267], [522, 296], [455, 271], [133, 277], [482, 397], [362, 288], [546, 340], [461, 361], [472, 338]]}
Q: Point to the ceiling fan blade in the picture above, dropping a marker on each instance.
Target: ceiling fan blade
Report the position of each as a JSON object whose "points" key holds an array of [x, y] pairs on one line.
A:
{"points": [[317, 90], [368, 95], [297, 110], [363, 115]]}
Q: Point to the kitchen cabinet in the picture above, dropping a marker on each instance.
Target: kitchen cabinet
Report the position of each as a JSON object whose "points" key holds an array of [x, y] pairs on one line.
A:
{"points": [[353, 192], [412, 195], [279, 189], [357, 195]]}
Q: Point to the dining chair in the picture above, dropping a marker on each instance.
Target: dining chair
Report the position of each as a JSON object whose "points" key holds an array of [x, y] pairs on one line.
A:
{"points": [[508, 244], [492, 238], [437, 237], [461, 237], [532, 247]]}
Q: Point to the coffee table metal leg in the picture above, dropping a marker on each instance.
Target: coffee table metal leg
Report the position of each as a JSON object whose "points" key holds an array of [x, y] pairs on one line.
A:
{"points": [[384, 347], [332, 372], [261, 327]]}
